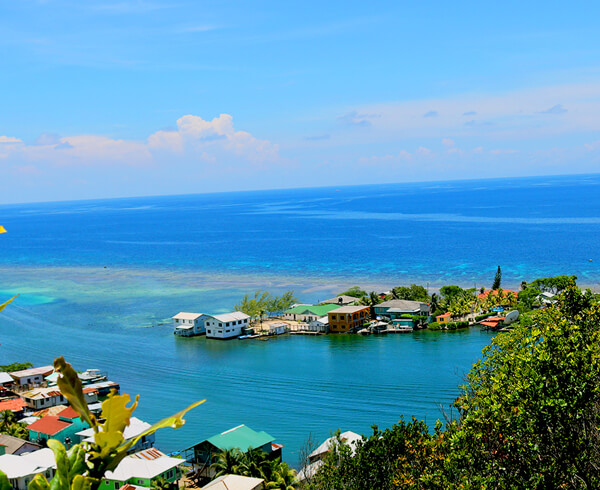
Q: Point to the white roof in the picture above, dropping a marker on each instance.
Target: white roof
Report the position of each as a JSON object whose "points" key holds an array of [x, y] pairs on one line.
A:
{"points": [[231, 317], [184, 327], [40, 393], [349, 437], [309, 470], [32, 372], [134, 429], [186, 316], [234, 482], [6, 378], [27, 464], [145, 464]]}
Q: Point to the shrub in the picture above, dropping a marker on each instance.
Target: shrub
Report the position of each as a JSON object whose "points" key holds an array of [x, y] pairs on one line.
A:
{"points": [[434, 326]]}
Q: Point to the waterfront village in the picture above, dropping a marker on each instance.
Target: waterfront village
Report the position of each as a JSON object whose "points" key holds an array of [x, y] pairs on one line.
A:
{"points": [[33, 410], [375, 313]]}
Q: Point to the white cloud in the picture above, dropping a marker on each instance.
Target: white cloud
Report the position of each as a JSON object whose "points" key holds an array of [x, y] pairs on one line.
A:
{"points": [[9, 139], [214, 142]]}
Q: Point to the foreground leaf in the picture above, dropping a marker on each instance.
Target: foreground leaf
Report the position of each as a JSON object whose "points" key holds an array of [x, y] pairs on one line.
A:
{"points": [[69, 385], [4, 305]]}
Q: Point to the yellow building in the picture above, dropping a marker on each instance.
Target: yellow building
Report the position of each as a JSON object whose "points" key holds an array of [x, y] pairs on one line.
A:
{"points": [[348, 318]]}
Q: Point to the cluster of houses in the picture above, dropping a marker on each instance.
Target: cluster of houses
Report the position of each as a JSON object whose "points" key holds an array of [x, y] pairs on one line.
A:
{"points": [[335, 315], [37, 404]]}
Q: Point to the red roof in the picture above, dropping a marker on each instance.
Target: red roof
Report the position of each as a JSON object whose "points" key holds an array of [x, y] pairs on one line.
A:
{"points": [[447, 314], [89, 390], [505, 292], [490, 324], [49, 425], [15, 405], [68, 413]]}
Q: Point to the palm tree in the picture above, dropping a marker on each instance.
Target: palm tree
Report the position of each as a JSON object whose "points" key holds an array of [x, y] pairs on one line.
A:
{"points": [[254, 463], [7, 417], [434, 303], [227, 462], [371, 300], [282, 477]]}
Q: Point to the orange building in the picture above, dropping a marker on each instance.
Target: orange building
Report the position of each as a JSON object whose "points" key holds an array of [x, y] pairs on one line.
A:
{"points": [[348, 318], [445, 318]]}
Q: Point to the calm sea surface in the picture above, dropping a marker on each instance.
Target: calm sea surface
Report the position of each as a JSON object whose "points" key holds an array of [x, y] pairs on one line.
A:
{"points": [[100, 279]]}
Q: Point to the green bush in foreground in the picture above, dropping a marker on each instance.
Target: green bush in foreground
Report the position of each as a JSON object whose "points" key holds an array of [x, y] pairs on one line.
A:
{"points": [[529, 417]]}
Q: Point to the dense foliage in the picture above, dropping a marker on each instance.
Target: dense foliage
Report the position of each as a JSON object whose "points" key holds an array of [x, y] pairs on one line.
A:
{"points": [[254, 463], [263, 303], [15, 366], [528, 417]]}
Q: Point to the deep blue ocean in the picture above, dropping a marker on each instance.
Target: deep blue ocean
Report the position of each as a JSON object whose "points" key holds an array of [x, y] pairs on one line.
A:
{"points": [[100, 279]]}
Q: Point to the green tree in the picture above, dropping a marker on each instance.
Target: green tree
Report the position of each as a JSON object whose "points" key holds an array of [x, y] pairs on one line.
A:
{"points": [[281, 476], [355, 292], [227, 462], [371, 300], [497, 279], [413, 292], [15, 366], [529, 417]]}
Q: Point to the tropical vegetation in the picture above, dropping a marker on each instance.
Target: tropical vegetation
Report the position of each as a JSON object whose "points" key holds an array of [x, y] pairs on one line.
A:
{"points": [[528, 417], [254, 463]]}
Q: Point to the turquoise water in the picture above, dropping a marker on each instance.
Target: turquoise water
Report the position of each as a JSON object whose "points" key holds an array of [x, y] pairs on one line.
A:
{"points": [[99, 281]]}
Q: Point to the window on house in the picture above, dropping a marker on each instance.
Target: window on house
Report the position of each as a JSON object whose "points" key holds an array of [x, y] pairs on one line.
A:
{"points": [[209, 331], [220, 324], [176, 320], [117, 485]]}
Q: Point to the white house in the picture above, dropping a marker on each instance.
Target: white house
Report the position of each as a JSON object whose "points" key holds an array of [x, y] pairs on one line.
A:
{"points": [[32, 376], [226, 326], [20, 470], [319, 325], [278, 328], [188, 324], [315, 459], [234, 482]]}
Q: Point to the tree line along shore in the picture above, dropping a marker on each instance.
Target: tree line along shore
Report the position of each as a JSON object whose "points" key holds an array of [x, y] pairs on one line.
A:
{"points": [[405, 308]]}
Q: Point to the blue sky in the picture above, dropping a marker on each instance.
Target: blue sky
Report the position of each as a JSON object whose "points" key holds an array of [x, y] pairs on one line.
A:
{"points": [[108, 99]]}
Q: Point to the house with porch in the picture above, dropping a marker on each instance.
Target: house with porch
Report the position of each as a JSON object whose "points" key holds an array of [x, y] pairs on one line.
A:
{"points": [[142, 469], [21, 469], [189, 324], [348, 318], [241, 437], [226, 326], [32, 376], [396, 309]]}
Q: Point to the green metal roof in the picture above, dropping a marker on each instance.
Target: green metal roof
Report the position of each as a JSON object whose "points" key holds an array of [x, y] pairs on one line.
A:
{"points": [[242, 437], [318, 310]]}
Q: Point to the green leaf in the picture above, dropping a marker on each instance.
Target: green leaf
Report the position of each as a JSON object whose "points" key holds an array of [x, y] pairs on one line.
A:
{"points": [[116, 413], [69, 385], [174, 421], [61, 477], [3, 305], [4, 483], [39, 482], [82, 483]]}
